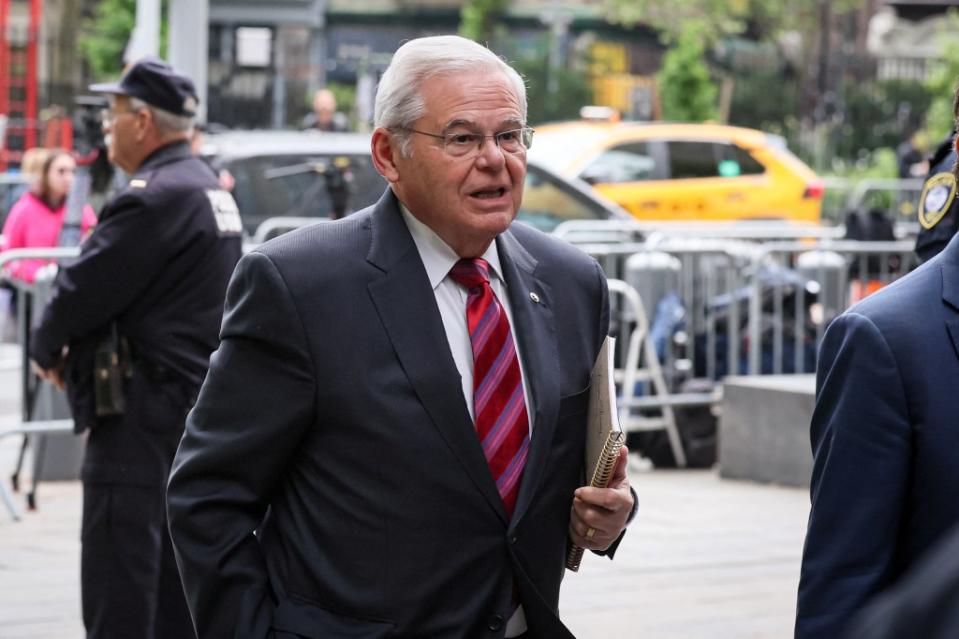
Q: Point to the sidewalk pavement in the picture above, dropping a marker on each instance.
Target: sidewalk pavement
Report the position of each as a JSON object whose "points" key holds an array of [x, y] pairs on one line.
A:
{"points": [[705, 559]]}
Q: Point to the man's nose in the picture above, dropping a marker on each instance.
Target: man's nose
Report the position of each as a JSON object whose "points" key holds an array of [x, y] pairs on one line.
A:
{"points": [[490, 154]]}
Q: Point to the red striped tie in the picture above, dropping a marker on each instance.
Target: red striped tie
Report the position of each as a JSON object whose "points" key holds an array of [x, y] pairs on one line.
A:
{"points": [[499, 403]]}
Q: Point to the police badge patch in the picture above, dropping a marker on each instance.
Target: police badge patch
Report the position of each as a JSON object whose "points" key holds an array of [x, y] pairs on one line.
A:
{"points": [[937, 196], [225, 212]]}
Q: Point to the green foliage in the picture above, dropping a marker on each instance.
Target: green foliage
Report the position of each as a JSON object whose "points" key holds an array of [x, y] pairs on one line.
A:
{"points": [[479, 19], [105, 36], [877, 164], [880, 114], [880, 164], [687, 93], [751, 106], [573, 89], [763, 19], [942, 82]]}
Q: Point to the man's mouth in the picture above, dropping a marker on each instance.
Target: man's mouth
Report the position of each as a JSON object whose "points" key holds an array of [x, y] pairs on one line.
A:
{"points": [[489, 194]]}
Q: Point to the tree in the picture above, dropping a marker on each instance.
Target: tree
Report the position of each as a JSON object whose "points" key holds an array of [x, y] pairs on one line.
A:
{"points": [[479, 19], [941, 83], [758, 19], [572, 88], [687, 93], [105, 36]]}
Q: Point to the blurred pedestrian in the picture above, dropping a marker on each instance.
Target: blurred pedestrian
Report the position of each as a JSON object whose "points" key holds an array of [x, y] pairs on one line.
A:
{"points": [[911, 155], [884, 432], [324, 116], [129, 327], [31, 167], [390, 440], [36, 219]]}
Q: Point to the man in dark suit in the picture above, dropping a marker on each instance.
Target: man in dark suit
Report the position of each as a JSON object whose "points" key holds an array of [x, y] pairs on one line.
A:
{"points": [[922, 604], [390, 440], [884, 432]]}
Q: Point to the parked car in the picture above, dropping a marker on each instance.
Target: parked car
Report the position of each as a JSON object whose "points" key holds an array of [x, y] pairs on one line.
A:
{"points": [[684, 172], [300, 173], [287, 173]]}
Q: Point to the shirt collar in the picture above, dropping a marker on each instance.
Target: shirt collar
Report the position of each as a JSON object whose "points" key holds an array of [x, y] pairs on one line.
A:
{"points": [[438, 258]]}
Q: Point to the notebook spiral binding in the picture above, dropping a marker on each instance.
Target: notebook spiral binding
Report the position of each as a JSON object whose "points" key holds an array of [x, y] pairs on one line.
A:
{"points": [[601, 477]]}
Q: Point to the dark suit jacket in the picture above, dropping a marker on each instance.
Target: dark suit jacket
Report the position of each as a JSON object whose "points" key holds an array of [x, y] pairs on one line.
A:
{"points": [[885, 437], [334, 402], [925, 603]]}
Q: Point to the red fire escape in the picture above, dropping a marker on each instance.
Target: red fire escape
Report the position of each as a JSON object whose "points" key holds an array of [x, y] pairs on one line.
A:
{"points": [[18, 82]]}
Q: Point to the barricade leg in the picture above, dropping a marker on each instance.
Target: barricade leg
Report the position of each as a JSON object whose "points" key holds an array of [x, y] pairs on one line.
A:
{"points": [[8, 502]]}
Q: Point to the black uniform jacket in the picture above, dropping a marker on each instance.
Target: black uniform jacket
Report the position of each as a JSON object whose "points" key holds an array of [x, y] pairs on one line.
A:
{"points": [[157, 263], [333, 408], [938, 204]]}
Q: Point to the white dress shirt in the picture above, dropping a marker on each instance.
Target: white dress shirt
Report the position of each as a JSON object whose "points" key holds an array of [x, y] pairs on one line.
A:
{"points": [[438, 258]]}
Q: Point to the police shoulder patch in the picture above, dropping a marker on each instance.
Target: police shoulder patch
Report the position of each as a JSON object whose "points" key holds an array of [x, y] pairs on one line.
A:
{"points": [[225, 212], [938, 193]]}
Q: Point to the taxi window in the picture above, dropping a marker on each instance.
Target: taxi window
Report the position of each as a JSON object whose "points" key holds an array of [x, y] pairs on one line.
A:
{"points": [[692, 160], [747, 163], [624, 163], [710, 159]]}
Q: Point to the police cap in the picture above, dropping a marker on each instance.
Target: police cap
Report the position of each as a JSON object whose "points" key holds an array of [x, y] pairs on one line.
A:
{"points": [[156, 83]]}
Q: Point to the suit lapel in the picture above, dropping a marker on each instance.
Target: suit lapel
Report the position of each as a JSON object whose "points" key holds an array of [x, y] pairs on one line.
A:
{"points": [[407, 308], [533, 325]]}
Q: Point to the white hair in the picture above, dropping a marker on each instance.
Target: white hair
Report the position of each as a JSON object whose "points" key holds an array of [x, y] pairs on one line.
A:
{"points": [[398, 100], [167, 124]]}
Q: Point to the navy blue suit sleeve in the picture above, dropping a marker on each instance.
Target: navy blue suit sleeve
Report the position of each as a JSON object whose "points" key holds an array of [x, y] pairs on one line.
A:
{"points": [[112, 270], [861, 447], [252, 412]]}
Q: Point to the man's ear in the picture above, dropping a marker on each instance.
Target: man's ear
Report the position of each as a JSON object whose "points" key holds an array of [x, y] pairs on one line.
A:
{"points": [[384, 154], [955, 142], [145, 124]]}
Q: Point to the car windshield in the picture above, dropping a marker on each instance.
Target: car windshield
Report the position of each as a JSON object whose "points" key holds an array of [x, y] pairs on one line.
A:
{"points": [[558, 150], [300, 185], [547, 202]]}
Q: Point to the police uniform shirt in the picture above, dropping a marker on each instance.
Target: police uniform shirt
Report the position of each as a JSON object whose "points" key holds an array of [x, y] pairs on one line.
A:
{"points": [[938, 214], [157, 264]]}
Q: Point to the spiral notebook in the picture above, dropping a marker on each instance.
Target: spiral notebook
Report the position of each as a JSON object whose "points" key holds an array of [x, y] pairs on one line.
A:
{"points": [[604, 436]]}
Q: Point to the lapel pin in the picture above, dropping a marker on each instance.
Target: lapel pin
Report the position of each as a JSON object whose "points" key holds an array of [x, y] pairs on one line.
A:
{"points": [[534, 297]]}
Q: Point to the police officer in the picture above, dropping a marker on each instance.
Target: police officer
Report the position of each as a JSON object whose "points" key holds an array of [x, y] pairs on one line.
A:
{"points": [[129, 328], [938, 205]]}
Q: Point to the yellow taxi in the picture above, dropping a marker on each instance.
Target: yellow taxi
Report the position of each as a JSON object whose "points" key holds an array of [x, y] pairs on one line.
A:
{"points": [[684, 172]]}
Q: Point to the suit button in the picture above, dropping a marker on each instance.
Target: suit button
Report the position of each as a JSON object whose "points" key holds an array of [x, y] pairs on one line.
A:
{"points": [[495, 623], [512, 539]]}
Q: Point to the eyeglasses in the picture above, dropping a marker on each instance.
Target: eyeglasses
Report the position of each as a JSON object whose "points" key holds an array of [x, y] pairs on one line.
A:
{"points": [[461, 144], [109, 116]]}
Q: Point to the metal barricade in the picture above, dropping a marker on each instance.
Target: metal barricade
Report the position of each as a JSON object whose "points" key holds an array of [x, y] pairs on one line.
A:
{"points": [[625, 231], [862, 268], [41, 404], [898, 197], [747, 307]]}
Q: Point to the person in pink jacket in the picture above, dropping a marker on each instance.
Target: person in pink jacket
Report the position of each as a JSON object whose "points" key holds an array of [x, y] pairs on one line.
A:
{"points": [[37, 217]]}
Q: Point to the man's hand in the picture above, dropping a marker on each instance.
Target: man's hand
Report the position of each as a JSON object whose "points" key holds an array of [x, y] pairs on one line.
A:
{"points": [[602, 510], [54, 374]]}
